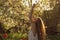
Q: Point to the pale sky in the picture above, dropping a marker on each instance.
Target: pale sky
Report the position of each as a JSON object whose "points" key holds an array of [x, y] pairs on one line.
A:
{"points": [[34, 1], [46, 7]]}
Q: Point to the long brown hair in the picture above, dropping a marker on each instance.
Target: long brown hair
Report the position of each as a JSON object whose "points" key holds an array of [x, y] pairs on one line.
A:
{"points": [[41, 32]]}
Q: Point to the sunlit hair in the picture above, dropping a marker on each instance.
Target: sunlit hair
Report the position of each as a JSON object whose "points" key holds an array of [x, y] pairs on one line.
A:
{"points": [[43, 25], [40, 26]]}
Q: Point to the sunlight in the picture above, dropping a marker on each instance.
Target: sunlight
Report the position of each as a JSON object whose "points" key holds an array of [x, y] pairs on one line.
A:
{"points": [[34, 1], [44, 4], [25, 3]]}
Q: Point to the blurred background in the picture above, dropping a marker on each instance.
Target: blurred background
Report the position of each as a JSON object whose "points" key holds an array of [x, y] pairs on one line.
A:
{"points": [[15, 21]]}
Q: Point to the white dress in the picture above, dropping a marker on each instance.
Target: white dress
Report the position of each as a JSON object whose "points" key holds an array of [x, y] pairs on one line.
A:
{"points": [[31, 36]]}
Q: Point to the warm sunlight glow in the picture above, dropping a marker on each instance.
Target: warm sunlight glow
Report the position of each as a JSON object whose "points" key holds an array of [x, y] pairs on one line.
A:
{"points": [[44, 4], [34, 1]]}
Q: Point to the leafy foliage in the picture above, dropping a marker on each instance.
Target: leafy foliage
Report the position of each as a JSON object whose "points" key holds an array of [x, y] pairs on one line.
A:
{"points": [[15, 13]]}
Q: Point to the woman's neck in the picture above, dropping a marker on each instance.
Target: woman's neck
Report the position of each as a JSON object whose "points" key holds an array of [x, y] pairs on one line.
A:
{"points": [[34, 32]]}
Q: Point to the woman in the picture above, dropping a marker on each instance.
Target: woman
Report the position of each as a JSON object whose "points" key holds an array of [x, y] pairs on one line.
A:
{"points": [[37, 31]]}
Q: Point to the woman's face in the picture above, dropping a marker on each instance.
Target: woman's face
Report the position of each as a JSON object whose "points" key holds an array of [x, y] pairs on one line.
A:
{"points": [[33, 19]]}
